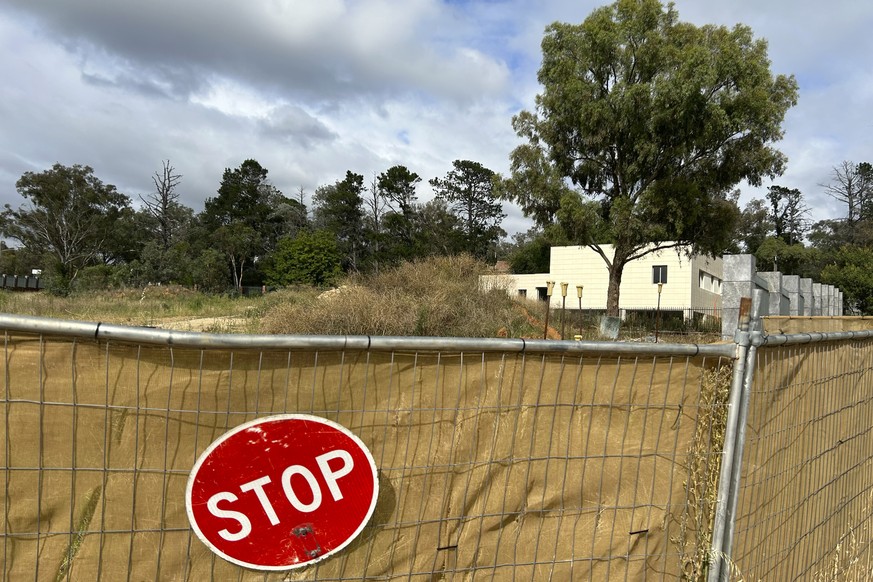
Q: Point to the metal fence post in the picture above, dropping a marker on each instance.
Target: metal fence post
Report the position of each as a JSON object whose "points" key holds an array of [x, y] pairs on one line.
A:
{"points": [[735, 434], [756, 336]]}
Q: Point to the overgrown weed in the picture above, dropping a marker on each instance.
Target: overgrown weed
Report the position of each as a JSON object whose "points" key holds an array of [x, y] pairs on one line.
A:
{"points": [[703, 464], [851, 560], [438, 296]]}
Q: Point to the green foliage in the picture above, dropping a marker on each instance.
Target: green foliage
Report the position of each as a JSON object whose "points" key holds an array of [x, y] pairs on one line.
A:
{"points": [[339, 209], [243, 196], [124, 240], [397, 185], [400, 225], [653, 121], [310, 258], [788, 213], [209, 272], [532, 254], [536, 184], [438, 231], [792, 259], [56, 282], [247, 217], [102, 277], [18, 261], [239, 242], [70, 217], [754, 226], [158, 265], [851, 272], [468, 189]]}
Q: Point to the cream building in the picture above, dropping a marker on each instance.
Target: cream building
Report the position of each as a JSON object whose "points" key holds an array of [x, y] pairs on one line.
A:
{"points": [[692, 284]]}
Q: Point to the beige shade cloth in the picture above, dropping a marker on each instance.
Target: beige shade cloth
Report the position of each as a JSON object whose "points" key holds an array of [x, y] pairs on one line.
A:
{"points": [[809, 324], [806, 505], [491, 466]]}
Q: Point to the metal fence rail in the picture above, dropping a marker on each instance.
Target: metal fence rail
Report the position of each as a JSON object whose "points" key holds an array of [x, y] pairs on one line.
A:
{"points": [[498, 459]]}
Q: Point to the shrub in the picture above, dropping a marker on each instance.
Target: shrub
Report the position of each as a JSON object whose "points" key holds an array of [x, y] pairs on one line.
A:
{"points": [[439, 296], [310, 258]]}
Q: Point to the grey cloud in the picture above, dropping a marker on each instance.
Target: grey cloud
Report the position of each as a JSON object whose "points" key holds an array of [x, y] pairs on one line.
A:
{"points": [[293, 124], [302, 48]]}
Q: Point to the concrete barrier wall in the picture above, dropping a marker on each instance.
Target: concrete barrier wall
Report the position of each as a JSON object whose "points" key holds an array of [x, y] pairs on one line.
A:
{"points": [[787, 294]]}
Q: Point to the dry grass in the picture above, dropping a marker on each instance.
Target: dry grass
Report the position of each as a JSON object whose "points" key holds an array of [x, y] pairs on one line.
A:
{"points": [[850, 560], [85, 517], [703, 466], [434, 297], [165, 306]]}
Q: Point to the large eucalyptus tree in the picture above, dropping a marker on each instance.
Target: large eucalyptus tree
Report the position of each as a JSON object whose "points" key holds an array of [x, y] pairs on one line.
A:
{"points": [[643, 127]]}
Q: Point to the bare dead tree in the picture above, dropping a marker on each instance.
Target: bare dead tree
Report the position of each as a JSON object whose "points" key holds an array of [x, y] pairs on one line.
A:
{"points": [[851, 184], [376, 205], [160, 203]]}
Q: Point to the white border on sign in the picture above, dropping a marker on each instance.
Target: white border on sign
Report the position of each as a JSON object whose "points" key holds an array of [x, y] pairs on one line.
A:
{"points": [[280, 417]]}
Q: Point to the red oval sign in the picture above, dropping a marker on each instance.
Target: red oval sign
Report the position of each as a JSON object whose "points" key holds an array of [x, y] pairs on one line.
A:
{"points": [[282, 492]]}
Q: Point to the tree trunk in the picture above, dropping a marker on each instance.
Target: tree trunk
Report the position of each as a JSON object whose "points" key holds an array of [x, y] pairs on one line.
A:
{"points": [[613, 289]]}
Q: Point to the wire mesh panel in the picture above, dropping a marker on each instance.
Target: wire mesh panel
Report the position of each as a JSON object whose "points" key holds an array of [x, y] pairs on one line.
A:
{"points": [[805, 505], [526, 466]]}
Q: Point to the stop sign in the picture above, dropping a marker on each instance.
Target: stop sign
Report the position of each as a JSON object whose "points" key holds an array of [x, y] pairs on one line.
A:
{"points": [[282, 492]]}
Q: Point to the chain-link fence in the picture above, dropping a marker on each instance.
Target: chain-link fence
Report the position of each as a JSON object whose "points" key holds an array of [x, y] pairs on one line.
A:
{"points": [[497, 459]]}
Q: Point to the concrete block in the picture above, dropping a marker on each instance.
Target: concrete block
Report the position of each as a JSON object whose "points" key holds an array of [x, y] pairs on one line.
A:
{"points": [[806, 294], [791, 288], [773, 280], [738, 282]]}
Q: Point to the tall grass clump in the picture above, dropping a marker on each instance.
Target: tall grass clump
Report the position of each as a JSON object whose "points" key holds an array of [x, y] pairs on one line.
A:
{"points": [[703, 464], [852, 558], [438, 296]]}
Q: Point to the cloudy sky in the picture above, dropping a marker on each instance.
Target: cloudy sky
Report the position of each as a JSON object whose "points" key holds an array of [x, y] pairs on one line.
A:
{"points": [[312, 88]]}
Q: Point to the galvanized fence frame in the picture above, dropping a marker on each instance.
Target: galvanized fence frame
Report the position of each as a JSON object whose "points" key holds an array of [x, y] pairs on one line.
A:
{"points": [[744, 353], [548, 437]]}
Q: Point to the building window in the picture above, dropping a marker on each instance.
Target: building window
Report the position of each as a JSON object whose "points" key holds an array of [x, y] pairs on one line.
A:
{"points": [[709, 282], [522, 292], [659, 274]]}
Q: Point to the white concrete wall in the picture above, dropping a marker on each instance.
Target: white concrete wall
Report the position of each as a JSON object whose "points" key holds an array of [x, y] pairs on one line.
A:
{"points": [[577, 265], [581, 265], [785, 294], [513, 284]]}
